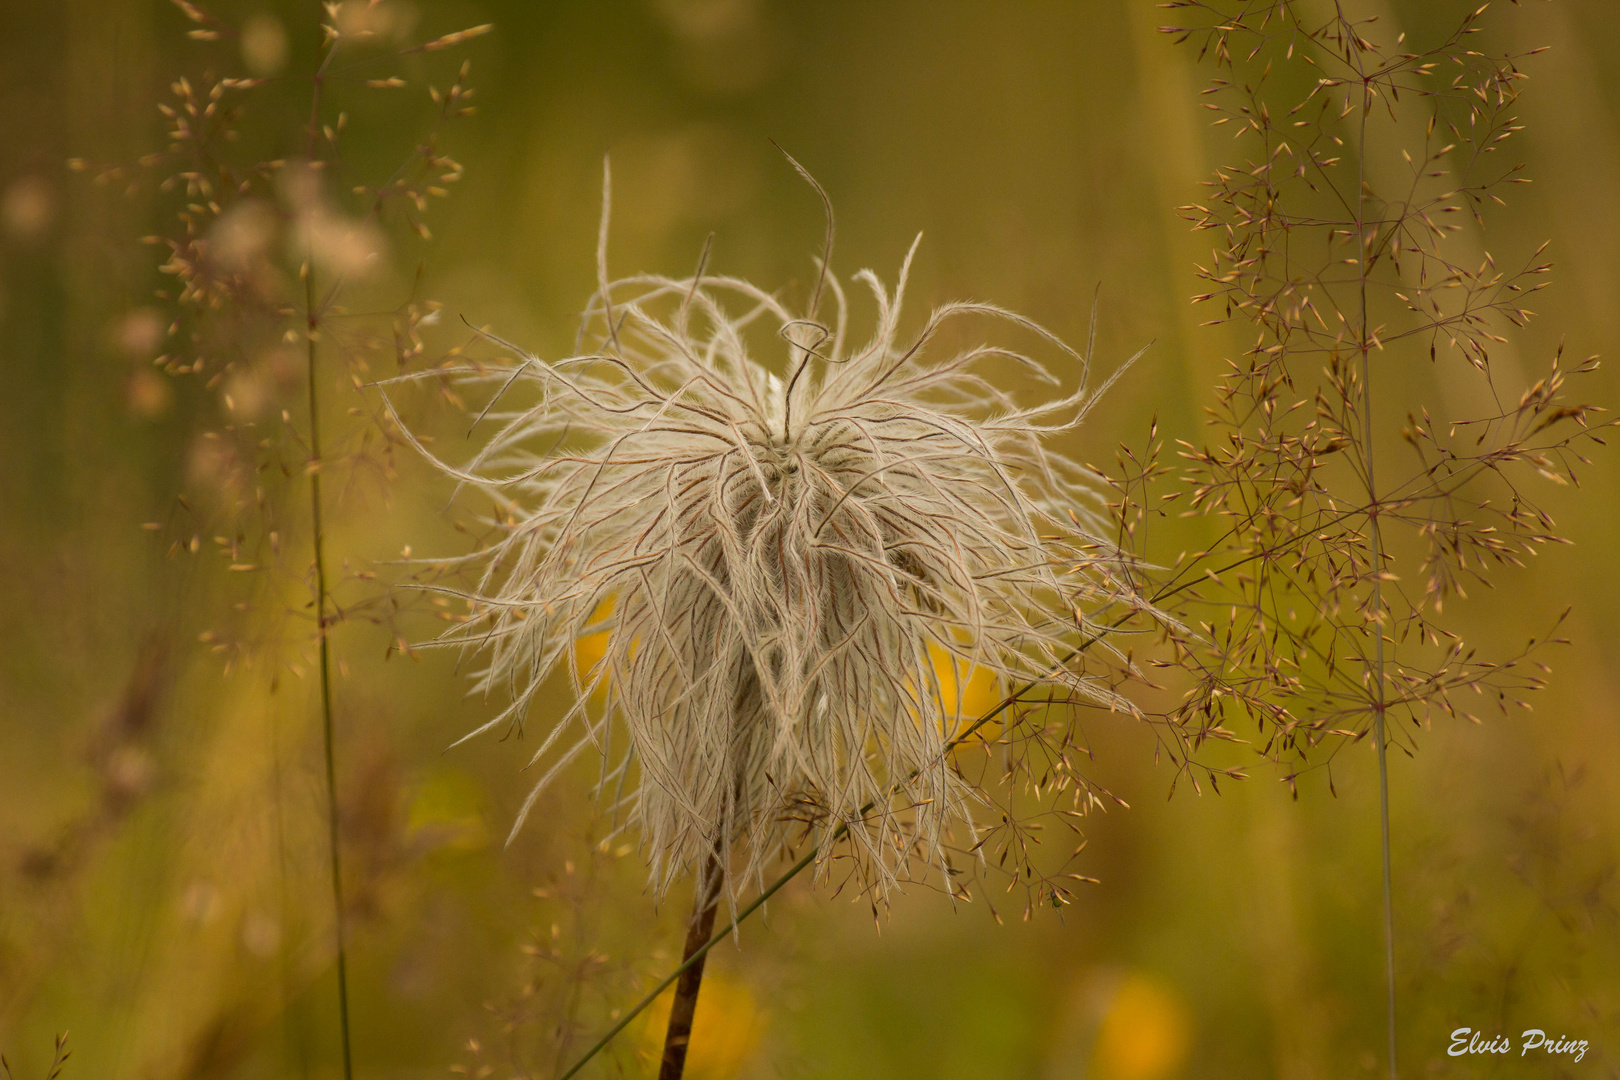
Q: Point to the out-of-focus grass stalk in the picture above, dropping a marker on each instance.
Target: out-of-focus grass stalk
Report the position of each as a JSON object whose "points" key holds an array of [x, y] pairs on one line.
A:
{"points": [[1375, 542], [312, 319], [312, 326]]}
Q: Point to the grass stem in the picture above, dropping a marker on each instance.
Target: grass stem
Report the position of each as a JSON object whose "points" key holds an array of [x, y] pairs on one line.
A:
{"points": [[312, 320], [1376, 544]]}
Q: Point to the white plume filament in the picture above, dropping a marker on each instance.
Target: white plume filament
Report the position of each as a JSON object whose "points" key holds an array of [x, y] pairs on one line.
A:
{"points": [[781, 565]]}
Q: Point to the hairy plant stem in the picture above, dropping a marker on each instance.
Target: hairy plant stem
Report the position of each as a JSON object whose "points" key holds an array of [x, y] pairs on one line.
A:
{"points": [[1376, 544], [312, 326], [705, 902]]}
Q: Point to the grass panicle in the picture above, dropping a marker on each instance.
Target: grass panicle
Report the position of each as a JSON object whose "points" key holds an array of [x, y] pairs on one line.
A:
{"points": [[1349, 237]]}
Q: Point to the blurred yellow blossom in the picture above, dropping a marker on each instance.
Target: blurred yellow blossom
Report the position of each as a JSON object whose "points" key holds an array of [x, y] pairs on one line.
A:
{"points": [[1145, 1033]]}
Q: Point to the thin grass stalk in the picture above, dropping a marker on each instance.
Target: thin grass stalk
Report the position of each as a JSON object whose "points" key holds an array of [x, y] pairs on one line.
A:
{"points": [[312, 328], [232, 301], [1375, 542], [312, 320], [678, 1036]]}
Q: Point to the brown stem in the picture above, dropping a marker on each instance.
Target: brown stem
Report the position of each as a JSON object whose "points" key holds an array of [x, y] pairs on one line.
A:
{"points": [[704, 905]]}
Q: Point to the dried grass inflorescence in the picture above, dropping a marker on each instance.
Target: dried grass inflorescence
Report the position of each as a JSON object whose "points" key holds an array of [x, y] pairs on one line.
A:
{"points": [[1350, 239], [795, 569], [273, 256]]}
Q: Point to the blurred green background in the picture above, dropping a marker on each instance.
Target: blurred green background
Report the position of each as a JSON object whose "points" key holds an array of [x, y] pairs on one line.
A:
{"points": [[162, 888]]}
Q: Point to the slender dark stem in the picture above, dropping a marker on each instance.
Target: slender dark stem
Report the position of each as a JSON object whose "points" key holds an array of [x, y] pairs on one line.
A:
{"points": [[1375, 541], [312, 321], [705, 902], [312, 324]]}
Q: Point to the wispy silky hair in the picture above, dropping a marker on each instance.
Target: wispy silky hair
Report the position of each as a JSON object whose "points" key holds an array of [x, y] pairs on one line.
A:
{"points": [[794, 573]]}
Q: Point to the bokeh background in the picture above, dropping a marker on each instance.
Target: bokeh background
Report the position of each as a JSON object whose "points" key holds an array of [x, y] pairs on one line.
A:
{"points": [[162, 889]]}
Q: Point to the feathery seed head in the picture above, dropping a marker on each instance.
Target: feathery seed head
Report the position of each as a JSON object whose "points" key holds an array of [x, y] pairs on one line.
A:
{"points": [[779, 560]]}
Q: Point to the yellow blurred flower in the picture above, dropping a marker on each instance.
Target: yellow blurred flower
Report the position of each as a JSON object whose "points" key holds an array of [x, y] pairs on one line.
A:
{"points": [[1144, 1035], [966, 692], [589, 649], [980, 690], [725, 1032]]}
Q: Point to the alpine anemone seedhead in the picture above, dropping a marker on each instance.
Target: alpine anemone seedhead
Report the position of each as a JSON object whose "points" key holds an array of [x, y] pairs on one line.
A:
{"points": [[794, 560]]}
